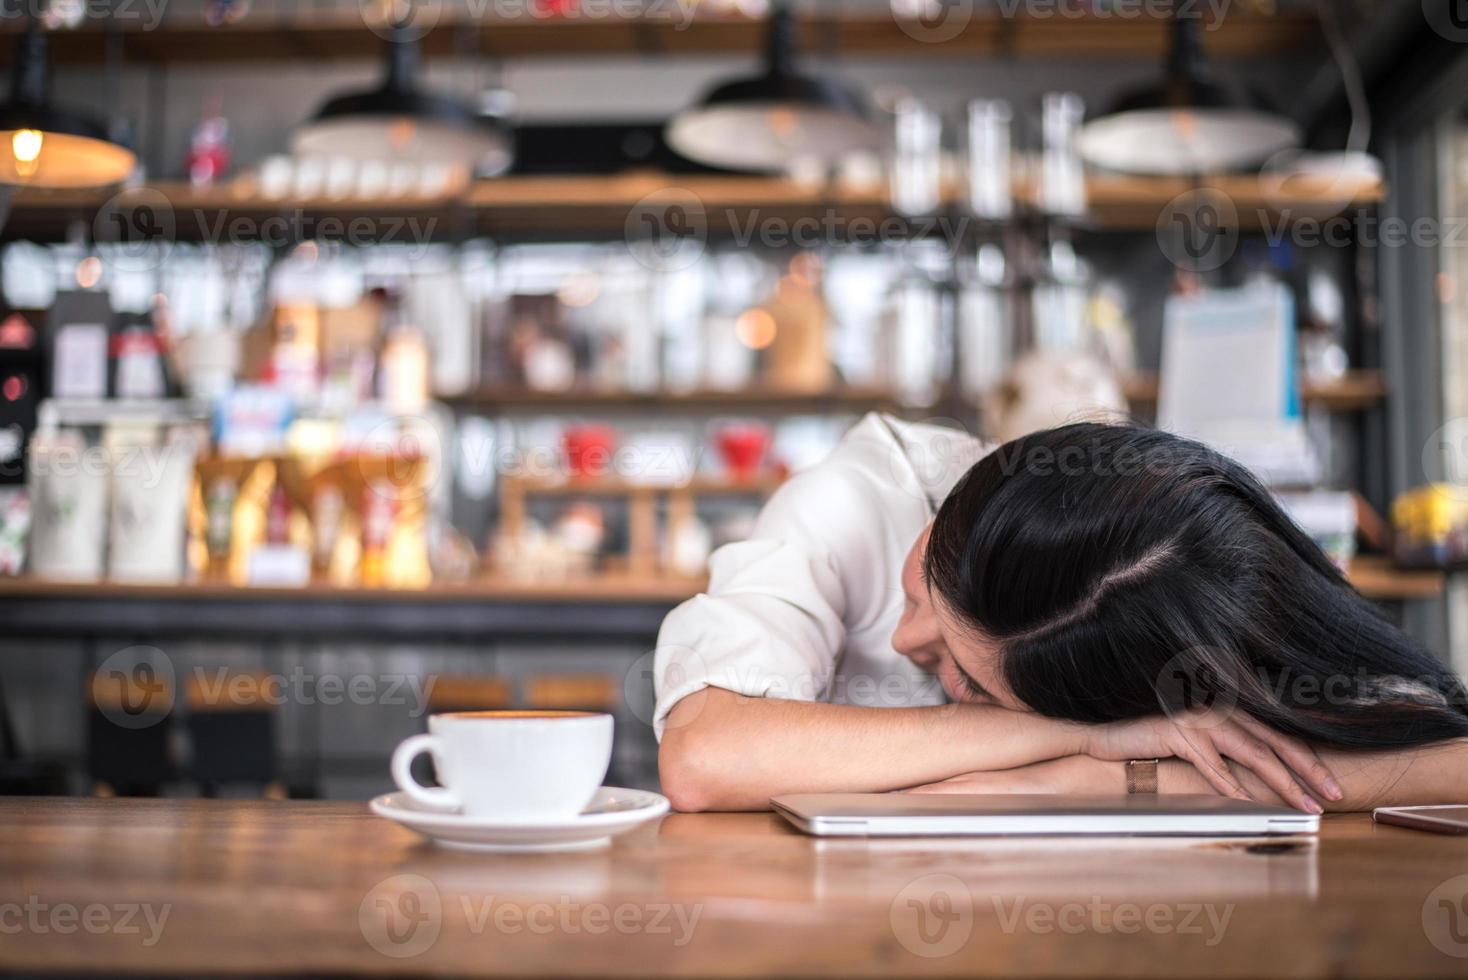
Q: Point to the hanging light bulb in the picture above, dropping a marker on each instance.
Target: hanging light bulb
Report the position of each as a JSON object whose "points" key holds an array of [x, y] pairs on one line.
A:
{"points": [[26, 146]]}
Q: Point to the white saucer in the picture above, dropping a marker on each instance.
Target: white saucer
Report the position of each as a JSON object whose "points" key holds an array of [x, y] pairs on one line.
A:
{"points": [[611, 811]]}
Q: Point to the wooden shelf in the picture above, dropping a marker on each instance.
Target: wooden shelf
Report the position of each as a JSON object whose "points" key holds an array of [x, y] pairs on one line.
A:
{"points": [[1357, 391], [709, 401], [563, 207], [1375, 577], [298, 32], [599, 588], [1257, 201], [700, 485]]}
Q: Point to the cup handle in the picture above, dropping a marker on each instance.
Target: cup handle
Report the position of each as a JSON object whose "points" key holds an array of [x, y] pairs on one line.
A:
{"points": [[435, 797]]}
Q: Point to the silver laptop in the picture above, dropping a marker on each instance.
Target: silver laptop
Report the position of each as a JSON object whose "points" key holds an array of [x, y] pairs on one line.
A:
{"points": [[939, 814]]}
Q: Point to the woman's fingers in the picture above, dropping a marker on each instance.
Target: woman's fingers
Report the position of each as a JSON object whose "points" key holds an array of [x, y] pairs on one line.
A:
{"points": [[1236, 742], [1200, 752], [1301, 758]]}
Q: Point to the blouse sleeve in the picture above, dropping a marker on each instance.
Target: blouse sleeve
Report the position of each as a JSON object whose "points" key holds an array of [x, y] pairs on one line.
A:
{"points": [[772, 621]]}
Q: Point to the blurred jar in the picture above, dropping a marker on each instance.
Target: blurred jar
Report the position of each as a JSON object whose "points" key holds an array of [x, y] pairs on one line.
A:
{"points": [[985, 340], [989, 182], [1062, 175], [916, 357], [1060, 294], [917, 161]]}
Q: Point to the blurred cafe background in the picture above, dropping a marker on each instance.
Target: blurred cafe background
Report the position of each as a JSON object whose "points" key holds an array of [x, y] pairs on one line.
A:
{"points": [[365, 359]]}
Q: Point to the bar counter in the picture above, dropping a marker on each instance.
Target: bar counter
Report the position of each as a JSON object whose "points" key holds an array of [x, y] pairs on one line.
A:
{"points": [[195, 886]]}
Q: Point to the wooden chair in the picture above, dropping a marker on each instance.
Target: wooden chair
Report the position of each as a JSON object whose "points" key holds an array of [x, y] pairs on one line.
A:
{"points": [[468, 692], [129, 719], [231, 726]]}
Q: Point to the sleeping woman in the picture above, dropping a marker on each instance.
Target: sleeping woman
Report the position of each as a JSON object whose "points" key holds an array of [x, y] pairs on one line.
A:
{"points": [[922, 613]]}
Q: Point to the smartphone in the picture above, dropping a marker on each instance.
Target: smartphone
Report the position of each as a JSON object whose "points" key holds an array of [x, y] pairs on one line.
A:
{"points": [[1449, 818]]}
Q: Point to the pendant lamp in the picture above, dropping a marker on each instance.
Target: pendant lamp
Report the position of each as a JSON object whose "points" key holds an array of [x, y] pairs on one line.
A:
{"points": [[43, 145], [397, 121], [1187, 124], [767, 121]]}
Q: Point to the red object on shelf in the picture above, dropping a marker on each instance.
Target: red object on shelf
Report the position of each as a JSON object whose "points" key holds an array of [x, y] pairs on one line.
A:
{"points": [[588, 449], [743, 447]]}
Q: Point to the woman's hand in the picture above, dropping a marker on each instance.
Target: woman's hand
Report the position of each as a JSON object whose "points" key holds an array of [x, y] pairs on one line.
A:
{"points": [[1076, 774], [1205, 738]]}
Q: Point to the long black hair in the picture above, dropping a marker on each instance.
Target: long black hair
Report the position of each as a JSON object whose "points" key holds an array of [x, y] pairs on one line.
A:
{"points": [[1124, 571]]}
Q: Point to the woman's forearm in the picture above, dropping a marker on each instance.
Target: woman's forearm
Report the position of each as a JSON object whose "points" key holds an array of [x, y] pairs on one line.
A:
{"points": [[725, 751]]}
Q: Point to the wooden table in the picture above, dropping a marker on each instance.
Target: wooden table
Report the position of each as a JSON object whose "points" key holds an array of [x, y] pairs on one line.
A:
{"points": [[209, 886]]}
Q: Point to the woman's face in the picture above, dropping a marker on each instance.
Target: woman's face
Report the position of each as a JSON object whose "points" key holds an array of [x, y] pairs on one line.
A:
{"points": [[965, 664]]}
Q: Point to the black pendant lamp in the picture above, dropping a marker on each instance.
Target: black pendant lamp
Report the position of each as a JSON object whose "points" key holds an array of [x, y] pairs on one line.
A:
{"points": [[42, 145], [397, 121], [770, 120], [1187, 124]]}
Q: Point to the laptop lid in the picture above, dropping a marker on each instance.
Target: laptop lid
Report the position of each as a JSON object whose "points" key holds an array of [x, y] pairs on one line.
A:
{"points": [[919, 814]]}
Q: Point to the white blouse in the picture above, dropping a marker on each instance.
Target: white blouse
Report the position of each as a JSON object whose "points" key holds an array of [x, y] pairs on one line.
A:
{"points": [[804, 610]]}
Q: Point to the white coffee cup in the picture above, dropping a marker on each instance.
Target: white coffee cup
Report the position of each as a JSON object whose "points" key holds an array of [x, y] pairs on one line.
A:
{"points": [[516, 766]]}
